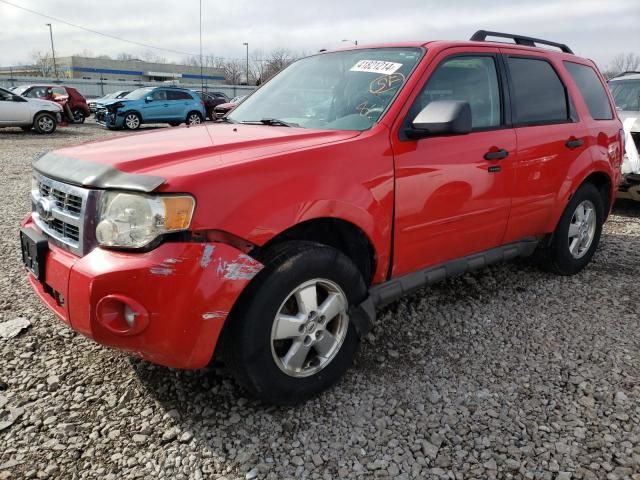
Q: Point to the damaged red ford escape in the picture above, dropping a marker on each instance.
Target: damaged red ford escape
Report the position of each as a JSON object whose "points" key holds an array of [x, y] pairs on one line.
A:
{"points": [[349, 179]]}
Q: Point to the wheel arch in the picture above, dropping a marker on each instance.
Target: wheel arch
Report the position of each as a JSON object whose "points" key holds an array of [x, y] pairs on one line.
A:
{"points": [[338, 233]]}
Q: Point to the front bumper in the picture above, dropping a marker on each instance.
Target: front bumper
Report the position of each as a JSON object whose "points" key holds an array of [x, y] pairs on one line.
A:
{"points": [[108, 119], [186, 291]]}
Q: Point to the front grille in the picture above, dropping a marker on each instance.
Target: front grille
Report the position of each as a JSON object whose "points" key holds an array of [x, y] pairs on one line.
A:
{"points": [[61, 210]]}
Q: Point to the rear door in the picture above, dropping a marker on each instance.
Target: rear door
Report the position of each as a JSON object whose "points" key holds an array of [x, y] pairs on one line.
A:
{"points": [[452, 199], [179, 103], [13, 112], [551, 138]]}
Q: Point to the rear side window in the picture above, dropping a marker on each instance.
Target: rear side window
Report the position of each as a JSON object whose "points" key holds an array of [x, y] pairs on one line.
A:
{"points": [[178, 95], [591, 89], [538, 94]]}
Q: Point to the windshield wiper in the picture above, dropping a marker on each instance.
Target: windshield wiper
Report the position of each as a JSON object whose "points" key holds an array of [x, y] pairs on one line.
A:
{"points": [[272, 122], [223, 120]]}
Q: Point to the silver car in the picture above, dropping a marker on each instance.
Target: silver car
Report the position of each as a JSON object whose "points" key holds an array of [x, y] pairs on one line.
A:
{"points": [[28, 113]]}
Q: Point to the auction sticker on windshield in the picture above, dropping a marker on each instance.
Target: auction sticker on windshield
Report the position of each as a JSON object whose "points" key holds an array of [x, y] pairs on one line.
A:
{"points": [[376, 66]]}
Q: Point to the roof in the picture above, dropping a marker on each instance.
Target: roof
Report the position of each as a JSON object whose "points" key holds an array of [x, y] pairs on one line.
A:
{"points": [[626, 76]]}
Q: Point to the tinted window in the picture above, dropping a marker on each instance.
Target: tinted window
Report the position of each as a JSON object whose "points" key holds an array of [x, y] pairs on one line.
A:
{"points": [[5, 95], [470, 79], [538, 94], [591, 89], [178, 95]]}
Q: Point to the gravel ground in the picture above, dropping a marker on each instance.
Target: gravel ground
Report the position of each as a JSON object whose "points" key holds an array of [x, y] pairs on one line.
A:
{"points": [[504, 373]]}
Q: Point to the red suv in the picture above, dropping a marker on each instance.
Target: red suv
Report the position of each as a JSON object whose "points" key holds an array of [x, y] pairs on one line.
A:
{"points": [[348, 180], [77, 103]]}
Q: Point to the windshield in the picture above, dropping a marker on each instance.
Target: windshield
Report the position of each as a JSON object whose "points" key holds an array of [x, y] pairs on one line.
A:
{"points": [[138, 94], [626, 94], [347, 90], [21, 89]]}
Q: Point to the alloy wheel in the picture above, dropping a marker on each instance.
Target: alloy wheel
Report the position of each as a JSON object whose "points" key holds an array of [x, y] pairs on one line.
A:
{"points": [[582, 229]]}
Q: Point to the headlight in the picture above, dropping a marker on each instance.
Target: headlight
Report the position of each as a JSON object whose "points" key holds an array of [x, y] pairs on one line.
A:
{"points": [[134, 220]]}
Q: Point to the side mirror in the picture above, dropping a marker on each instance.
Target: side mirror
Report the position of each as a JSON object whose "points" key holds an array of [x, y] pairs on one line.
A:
{"points": [[442, 117], [148, 99]]}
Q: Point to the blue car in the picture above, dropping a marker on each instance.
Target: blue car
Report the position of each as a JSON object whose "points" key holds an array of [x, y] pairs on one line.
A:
{"points": [[172, 105]]}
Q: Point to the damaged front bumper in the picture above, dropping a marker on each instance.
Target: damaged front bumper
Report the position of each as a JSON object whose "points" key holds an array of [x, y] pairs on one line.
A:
{"points": [[167, 306], [108, 118]]}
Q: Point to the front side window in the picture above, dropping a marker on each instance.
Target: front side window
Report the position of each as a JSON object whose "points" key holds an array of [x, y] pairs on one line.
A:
{"points": [[5, 95], [347, 90], [591, 89], [538, 94], [37, 92], [159, 95], [626, 94], [471, 79]]}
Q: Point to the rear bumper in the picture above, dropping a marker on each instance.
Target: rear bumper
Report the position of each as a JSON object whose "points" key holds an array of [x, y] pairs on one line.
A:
{"points": [[183, 292]]}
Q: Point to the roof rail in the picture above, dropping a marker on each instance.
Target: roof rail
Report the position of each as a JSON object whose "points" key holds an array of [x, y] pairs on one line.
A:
{"points": [[622, 74], [481, 36]]}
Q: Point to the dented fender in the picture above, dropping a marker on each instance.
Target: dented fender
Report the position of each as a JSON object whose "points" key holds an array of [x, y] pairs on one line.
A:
{"points": [[188, 290]]}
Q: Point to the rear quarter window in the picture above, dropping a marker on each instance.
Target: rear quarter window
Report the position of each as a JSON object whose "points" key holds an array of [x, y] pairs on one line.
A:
{"points": [[538, 95], [591, 90]]}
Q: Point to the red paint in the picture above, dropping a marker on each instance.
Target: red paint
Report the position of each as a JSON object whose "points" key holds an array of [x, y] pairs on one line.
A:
{"points": [[420, 202]]}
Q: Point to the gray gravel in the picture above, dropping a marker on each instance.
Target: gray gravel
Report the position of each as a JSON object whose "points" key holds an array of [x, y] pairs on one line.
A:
{"points": [[505, 373]]}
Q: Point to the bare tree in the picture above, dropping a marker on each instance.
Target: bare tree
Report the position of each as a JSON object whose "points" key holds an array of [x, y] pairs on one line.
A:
{"points": [[149, 56], [623, 62], [279, 59], [124, 56], [43, 61], [234, 71]]}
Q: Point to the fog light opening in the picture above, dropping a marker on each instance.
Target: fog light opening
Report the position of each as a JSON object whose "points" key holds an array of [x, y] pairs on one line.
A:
{"points": [[122, 315]]}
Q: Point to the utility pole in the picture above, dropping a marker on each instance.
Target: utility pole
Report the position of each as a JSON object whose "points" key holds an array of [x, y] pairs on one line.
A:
{"points": [[53, 52], [201, 63], [247, 45]]}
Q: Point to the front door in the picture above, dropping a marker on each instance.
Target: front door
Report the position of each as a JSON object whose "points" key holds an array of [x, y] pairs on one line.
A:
{"points": [[13, 111], [156, 109], [453, 192]]}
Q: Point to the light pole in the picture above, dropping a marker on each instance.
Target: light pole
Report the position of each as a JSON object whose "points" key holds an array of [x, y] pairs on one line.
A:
{"points": [[53, 51], [247, 45], [201, 63]]}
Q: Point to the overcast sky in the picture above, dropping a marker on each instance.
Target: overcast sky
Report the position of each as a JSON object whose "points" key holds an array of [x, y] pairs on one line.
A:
{"points": [[597, 29]]}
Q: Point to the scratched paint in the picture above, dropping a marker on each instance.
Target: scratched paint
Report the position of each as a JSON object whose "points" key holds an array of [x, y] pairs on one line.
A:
{"points": [[162, 270], [206, 255], [214, 315], [242, 268]]}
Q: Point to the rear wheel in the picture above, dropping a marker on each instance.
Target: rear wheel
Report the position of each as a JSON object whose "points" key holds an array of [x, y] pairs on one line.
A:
{"points": [[132, 121], [290, 337], [194, 118], [44, 123], [577, 235]]}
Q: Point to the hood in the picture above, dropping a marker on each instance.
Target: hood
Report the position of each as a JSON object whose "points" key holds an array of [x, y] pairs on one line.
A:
{"points": [[44, 104], [625, 114], [111, 101], [154, 158], [226, 105]]}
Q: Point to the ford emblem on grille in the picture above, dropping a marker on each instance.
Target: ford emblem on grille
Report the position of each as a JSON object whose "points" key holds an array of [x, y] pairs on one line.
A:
{"points": [[44, 208]]}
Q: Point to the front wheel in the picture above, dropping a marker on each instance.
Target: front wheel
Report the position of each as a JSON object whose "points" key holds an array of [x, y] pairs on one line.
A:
{"points": [[194, 118], [132, 121], [291, 337], [78, 115], [577, 235], [44, 123]]}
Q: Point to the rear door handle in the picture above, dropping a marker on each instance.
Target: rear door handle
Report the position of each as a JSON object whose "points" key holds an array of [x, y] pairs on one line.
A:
{"points": [[496, 154], [574, 143]]}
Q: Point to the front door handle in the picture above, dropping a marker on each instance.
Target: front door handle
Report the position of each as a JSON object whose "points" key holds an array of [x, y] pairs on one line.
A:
{"points": [[574, 142], [496, 154]]}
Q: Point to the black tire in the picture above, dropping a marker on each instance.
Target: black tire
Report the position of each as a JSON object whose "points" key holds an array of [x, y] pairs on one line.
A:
{"points": [[212, 115], [247, 345], [78, 115], [194, 118], [131, 125], [557, 257], [45, 123]]}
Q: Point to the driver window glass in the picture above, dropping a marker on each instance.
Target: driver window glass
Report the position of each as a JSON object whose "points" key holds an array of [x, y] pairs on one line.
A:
{"points": [[159, 95], [37, 92], [471, 79], [5, 96]]}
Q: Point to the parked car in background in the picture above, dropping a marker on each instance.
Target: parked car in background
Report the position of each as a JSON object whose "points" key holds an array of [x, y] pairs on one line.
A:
{"points": [[270, 239], [172, 105], [28, 113], [626, 93], [212, 100], [77, 103], [221, 110], [109, 96]]}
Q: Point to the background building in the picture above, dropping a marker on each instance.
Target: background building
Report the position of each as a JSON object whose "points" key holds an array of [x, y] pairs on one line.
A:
{"points": [[87, 68]]}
